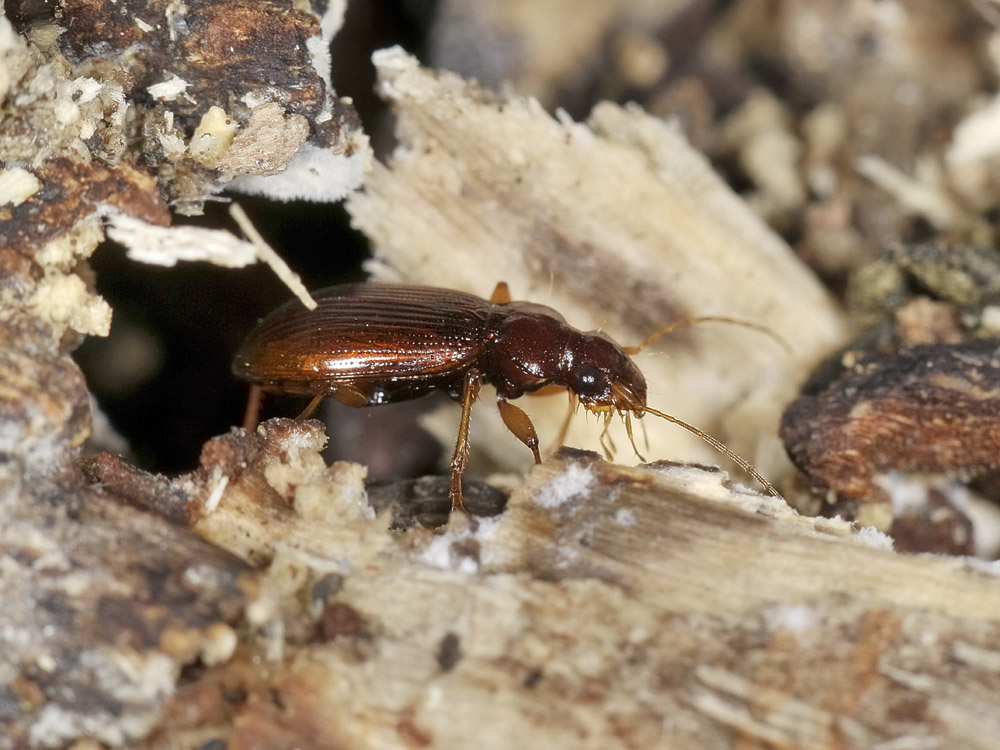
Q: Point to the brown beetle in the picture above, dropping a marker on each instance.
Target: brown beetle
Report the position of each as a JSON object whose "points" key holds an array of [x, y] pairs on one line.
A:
{"points": [[369, 344]]}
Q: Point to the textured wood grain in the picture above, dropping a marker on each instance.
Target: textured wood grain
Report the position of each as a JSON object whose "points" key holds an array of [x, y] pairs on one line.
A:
{"points": [[606, 607]]}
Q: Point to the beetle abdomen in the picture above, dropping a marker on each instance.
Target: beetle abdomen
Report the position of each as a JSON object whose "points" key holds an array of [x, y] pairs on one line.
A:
{"points": [[393, 341]]}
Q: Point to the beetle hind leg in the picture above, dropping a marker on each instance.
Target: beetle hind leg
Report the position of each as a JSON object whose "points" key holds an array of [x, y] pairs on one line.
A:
{"points": [[347, 394]]}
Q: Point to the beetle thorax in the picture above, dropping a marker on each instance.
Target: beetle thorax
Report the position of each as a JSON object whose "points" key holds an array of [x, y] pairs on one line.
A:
{"points": [[532, 346], [526, 348]]}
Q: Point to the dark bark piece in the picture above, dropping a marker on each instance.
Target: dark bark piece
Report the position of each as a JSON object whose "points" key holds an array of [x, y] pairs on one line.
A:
{"points": [[424, 501], [220, 49], [72, 192], [102, 605], [151, 492], [926, 409]]}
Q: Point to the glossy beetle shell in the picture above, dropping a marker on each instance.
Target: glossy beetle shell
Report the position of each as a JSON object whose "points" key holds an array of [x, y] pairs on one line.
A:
{"points": [[387, 342], [390, 342], [369, 344]]}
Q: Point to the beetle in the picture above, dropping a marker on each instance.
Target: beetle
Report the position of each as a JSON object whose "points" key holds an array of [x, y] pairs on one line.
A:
{"points": [[370, 344]]}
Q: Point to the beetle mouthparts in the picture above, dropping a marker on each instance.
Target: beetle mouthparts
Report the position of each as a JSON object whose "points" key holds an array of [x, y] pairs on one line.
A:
{"points": [[624, 398]]}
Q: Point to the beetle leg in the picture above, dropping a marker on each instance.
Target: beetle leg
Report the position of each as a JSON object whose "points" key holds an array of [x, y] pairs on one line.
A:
{"points": [[627, 418], [501, 295], [470, 391], [252, 414], [574, 404], [519, 424], [350, 395], [607, 444], [345, 394], [307, 412]]}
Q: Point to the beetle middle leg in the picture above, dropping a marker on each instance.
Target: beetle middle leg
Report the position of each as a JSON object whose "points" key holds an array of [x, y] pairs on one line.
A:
{"points": [[574, 404], [349, 395], [471, 386], [252, 414], [520, 425], [311, 406]]}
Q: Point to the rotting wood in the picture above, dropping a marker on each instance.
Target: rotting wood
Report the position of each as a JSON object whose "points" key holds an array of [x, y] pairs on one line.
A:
{"points": [[857, 651], [928, 409], [606, 607], [102, 605]]}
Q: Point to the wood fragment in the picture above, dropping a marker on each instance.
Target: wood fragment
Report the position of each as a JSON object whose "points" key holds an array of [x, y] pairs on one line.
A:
{"points": [[267, 254], [923, 411], [638, 606], [103, 604]]}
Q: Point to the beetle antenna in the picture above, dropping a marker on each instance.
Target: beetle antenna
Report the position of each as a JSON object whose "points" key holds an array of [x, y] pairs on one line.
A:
{"points": [[678, 324], [717, 444]]}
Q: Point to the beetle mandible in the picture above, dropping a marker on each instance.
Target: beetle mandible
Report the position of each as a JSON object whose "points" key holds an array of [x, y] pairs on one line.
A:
{"points": [[370, 344]]}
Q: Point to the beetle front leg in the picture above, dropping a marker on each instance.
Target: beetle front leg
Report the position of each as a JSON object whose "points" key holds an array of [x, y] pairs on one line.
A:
{"points": [[574, 404], [470, 392], [520, 425]]}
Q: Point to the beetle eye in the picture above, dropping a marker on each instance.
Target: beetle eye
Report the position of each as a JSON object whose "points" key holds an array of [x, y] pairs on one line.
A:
{"points": [[587, 380]]}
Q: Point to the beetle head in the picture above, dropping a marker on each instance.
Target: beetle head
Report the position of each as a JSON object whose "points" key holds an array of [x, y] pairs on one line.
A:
{"points": [[602, 375], [534, 346]]}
